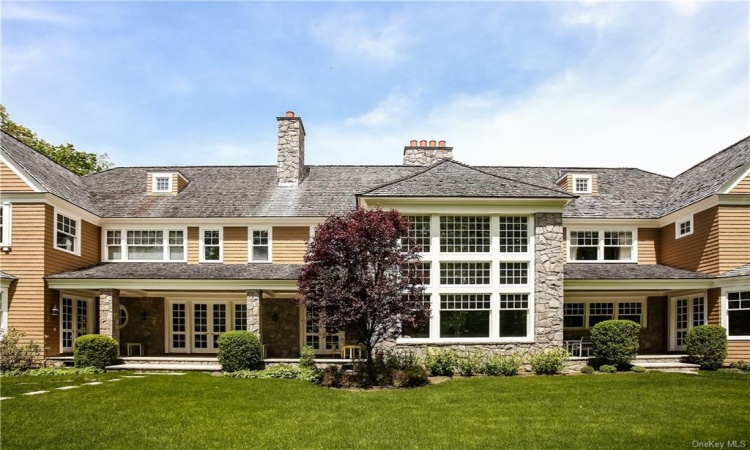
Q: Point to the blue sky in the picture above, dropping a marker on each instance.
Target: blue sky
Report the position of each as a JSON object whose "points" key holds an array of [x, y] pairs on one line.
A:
{"points": [[658, 85]]}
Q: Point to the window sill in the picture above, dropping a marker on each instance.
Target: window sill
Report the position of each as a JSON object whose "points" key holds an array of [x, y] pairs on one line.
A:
{"points": [[451, 341], [67, 251], [738, 338], [591, 261]]}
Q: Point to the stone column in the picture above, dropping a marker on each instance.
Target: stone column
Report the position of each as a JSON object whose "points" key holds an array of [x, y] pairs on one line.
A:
{"points": [[253, 311], [109, 313], [548, 289]]}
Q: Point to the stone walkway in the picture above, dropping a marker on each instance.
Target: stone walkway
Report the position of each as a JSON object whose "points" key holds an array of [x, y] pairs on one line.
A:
{"points": [[92, 383]]}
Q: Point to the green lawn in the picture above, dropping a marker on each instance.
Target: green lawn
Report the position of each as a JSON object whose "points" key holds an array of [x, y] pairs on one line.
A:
{"points": [[654, 410]]}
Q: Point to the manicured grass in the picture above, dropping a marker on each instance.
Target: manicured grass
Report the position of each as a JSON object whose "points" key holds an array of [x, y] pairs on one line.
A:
{"points": [[653, 410]]}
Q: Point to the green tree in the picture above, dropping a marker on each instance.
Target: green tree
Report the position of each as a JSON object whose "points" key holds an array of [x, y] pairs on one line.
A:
{"points": [[78, 162]]}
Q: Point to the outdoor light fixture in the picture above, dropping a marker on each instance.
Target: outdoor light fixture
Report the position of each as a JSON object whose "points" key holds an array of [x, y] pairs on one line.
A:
{"points": [[54, 311]]}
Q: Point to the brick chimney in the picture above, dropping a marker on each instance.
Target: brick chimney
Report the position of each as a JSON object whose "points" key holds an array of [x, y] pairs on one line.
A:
{"points": [[423, 153], [290, 166]]}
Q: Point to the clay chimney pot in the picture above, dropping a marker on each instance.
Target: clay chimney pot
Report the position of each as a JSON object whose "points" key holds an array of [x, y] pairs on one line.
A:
{"points": [[290, 113], [441, 144], [433, 143], [423, 143], [413, 143]]}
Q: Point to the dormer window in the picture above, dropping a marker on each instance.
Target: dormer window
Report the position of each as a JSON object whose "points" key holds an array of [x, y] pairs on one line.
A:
{"points": [[684, 227], [162, 182], [582, 184]]}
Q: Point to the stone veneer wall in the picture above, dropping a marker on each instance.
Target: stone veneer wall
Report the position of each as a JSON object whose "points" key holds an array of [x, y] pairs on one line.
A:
{"points": [[653, 338], [149, 332], [421, 156], [291, 151], [280, 322]]}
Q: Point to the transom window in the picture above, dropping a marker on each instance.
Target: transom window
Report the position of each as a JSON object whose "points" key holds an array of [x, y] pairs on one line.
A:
{"points": [[419, 233], [260, 246], [5, 224], [145, 245], [464, 315], [466, 273], [738, 313], [464, 234], [514, 234], [514, 314], [66, 233], [514, 273], [601, 245], [684, 227], [211, 245]]}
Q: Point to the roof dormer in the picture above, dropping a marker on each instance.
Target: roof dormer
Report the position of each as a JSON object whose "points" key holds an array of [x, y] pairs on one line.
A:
{"points": [[169, 183], [579, 183]]}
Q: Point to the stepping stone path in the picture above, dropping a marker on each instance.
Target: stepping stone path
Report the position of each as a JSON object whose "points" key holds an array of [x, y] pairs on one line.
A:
{"points": [[64, 388], [35, 393], [93, 383]]}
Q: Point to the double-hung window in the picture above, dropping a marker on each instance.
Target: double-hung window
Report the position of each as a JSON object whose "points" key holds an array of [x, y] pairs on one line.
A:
{"points": [[145, 245], [66, 233], [587, 313], [602, 245], [418, 233], [465, 315], [211, 248], [514, 234], [738, 314], [514, 314], [260, 245], [464, 234], [5, 224]]}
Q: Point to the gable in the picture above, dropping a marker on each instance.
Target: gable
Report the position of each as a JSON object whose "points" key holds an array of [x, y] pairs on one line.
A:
{"points": [[10, 181], [743, 187]]}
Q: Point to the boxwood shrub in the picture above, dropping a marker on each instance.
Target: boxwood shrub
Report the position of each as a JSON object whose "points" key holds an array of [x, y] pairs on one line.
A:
{"points": [[496, 365], [94, 350], [707, 345], [606, 368], [440, 362], [615, 342], [587, 370], [239, 350], [550, 362]]}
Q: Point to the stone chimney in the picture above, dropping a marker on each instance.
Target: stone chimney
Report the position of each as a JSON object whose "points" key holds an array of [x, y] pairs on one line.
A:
{"points": [[290, 166], [423, 153]]}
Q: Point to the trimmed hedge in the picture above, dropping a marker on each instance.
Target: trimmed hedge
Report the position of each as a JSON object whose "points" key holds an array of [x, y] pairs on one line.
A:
{"points": [[615, 342], [239, 350], [94, 350], [707, 345], [550, 362]]}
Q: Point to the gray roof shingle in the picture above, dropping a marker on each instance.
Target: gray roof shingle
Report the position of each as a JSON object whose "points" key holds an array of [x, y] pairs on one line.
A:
{"points": [[55, 178], [6, 276], [182, 271], [742, 271], [629, 272]]}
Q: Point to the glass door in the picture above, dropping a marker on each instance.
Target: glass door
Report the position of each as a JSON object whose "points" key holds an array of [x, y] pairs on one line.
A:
{"points": [[195, 327], [320, 340], [76, 318], [687, 312]]}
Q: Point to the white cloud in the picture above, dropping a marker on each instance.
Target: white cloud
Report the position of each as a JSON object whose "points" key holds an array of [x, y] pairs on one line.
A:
{"points": [[354, 34], [389, 111], [35, 13]]}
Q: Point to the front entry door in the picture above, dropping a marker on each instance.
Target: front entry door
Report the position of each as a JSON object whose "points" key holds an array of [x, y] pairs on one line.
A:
{"points": [[687, 312], [76, 319]]}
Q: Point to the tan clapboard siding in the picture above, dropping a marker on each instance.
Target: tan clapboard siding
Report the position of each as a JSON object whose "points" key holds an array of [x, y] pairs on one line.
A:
{"points": [[149, 183], [289, 244], [648, 245], [738, 350], [235, 245], [56, 261], [734, 237], [181, 183], [743, 187], [10, 182], [594, 184], [700, 250], [564, 183], [193, 245], [714, 306], [25, 261]]}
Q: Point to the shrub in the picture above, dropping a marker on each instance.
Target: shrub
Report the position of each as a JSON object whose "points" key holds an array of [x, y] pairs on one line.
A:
{"points": [[239, 350], [413, 376], [440, 362], [496, 365], [331, 376], [15, 356], [587, 370], [282, 371], [638, 369], [549, 362], [742, 366], [94, 350], [306, 358], [615, 342], [707, 345], [606, 368], [401, 360], [470, 363], [54, 371]]}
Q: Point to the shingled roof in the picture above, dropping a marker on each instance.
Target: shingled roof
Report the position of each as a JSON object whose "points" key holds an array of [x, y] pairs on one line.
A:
{"points": [[181, 271], [52, 176], [621, 271], [705, 178], [742, 271], [449, 178]]}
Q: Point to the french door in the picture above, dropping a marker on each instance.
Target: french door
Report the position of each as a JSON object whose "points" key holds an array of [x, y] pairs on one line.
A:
{"points": [[195, 326], [76, 319], [687, 312], [320, 340]]}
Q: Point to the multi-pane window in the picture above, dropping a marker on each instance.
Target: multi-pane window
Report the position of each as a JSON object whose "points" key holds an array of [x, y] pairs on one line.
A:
{"points": [[599, 312], [630, 311], [259, 248], [114, 245], [464, 234], [211, 245], [738, 313], [514, 314], [514, 273], [422, 271], [581, 185], [418, 234], [514, 234], [699, 311], [684, 227], [573, 314], [418, 330], [200, 325], [5, 224], [66, 233], [146, 245], [240, 316], [163, 184], [466, 273], [219, 322], [602, 245], [464, 315], [176, 245]]}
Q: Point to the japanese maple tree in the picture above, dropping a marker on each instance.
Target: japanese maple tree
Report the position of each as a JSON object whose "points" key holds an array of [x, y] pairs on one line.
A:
{"points": [[358, 277]]}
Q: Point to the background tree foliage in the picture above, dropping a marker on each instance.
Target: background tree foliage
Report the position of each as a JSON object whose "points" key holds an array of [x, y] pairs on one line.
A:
{"points": [[78, 162], [360, 280]]}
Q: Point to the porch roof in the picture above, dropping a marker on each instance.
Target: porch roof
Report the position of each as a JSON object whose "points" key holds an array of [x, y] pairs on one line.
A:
{"points": [[742, 271], [181, 271], [619, 271], [6, 276]]}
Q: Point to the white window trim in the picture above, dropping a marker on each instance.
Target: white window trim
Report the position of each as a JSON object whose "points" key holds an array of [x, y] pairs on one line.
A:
{"points": [[725, 312], [201, 239], [124, 243], [672, 326], [600, 251], [156, 175], [5, 238], [79, 226], [615, 308], [589, 183], [434, 289], [250, 230], [4, 292], [91, 305], [679, 222]]}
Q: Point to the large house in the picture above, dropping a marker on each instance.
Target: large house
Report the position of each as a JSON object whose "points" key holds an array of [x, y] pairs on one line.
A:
{"points": [[515, 259]]}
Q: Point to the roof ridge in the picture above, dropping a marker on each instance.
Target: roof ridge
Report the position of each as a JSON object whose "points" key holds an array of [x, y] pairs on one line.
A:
{"points": [[38, 152], [398, 180], [557, 191]]}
